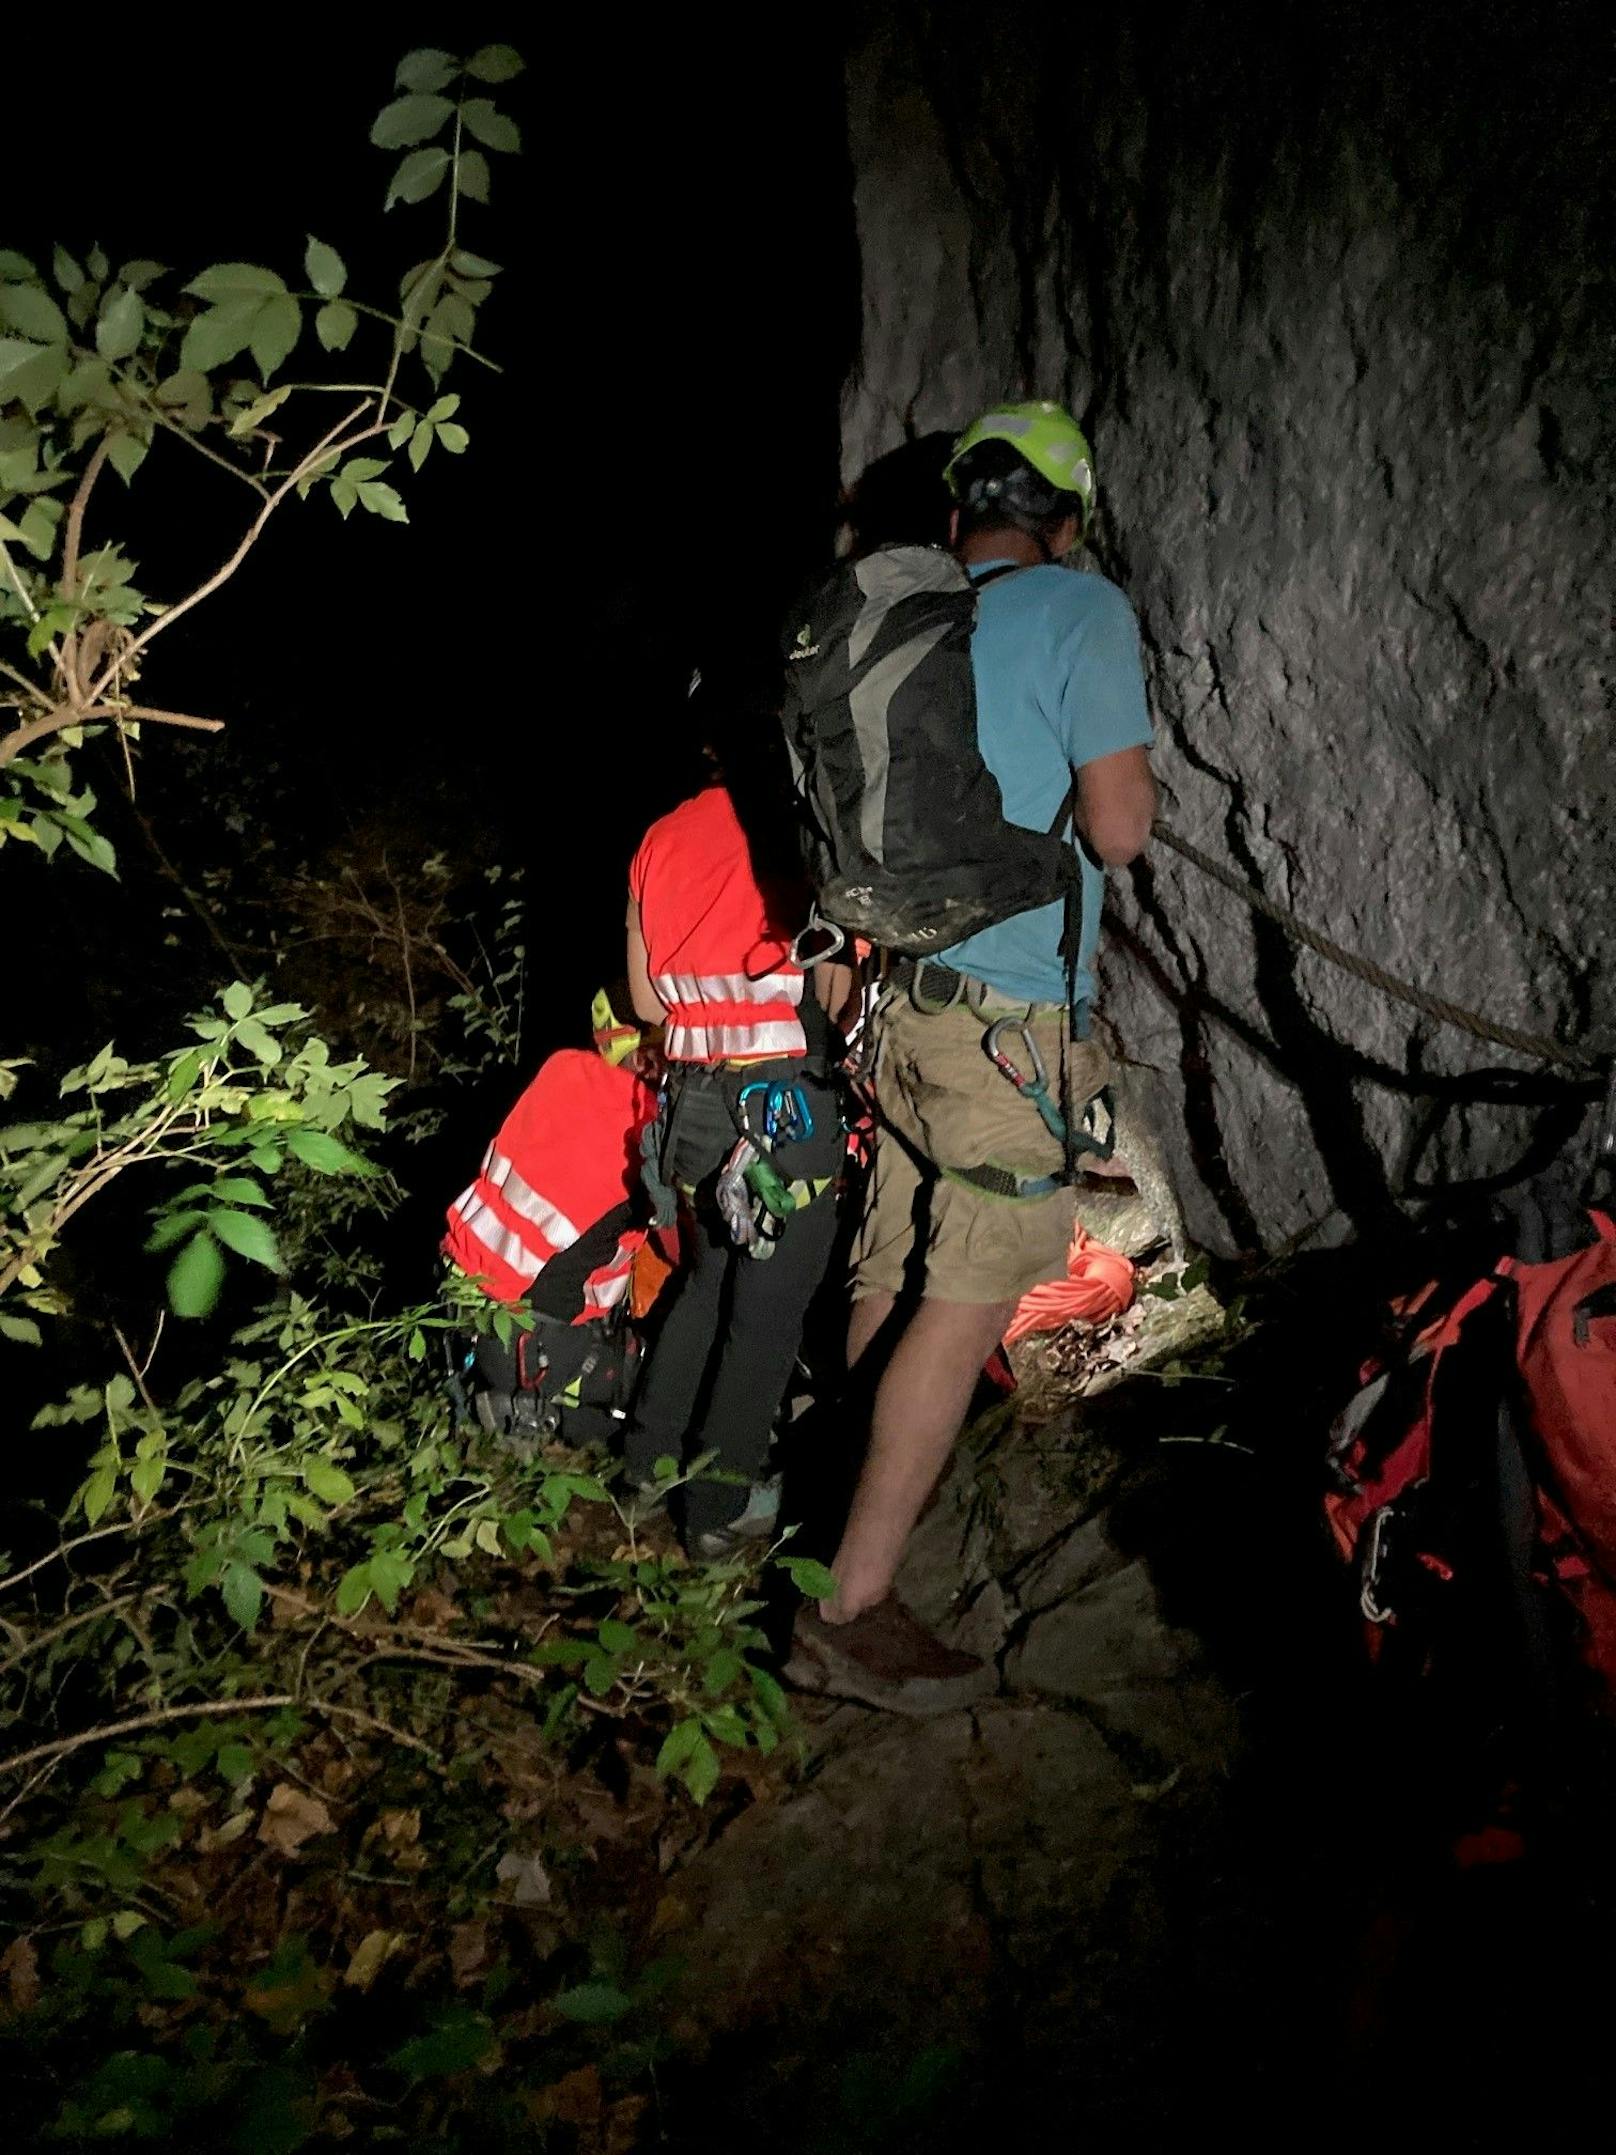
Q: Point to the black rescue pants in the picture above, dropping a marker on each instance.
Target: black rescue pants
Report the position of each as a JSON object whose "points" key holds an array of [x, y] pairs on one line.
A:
{"points": [[724, 1355]]}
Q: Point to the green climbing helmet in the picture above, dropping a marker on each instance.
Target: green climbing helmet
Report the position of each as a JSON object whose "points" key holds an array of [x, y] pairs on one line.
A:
{"points": [[1044, 435]]}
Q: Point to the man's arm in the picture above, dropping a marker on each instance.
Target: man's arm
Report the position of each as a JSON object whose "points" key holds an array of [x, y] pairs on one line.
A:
{"points": [[1116, 805], [648, 1005]]}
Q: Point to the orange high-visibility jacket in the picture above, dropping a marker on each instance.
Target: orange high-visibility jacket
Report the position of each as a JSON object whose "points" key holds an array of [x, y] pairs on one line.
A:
{"points": [[566, 1155], [716, 958]]}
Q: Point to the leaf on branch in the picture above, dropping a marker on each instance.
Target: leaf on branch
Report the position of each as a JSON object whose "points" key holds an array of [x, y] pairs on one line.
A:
{"points": [[94, 850], [335, 324], [466, 264], [327, 1481], [237, 1000], [276, 330], [248, 1236], [450, 323], [17, 265], [31, 312], [419, 174], [328, 273], [490, 125], [420, 443], [243, 1593], [235, 280], [426, 69], [495, 63], [474, 175], [138, 274], [453, 437], [123, 317], [326, 1154], [808, 1577], [66, 271], [701, 1774], [22, 1329], [257, 412], [415, 118], [238, 1190], [186, 394], [126, 453], [35, 379], [195, 1277], [218, 334], [383, 501], [97, 1493]]}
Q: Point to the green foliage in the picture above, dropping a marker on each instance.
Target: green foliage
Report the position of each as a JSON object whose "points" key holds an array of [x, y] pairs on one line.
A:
{"points": [[100, 365], [252, 1093]]}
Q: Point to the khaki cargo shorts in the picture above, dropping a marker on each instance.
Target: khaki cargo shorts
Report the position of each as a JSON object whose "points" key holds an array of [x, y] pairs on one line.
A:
{"points": [[941, 1105]]}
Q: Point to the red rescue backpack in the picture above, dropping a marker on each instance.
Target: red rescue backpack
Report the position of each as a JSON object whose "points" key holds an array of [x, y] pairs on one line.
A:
{"points": [[1475, 1473]]}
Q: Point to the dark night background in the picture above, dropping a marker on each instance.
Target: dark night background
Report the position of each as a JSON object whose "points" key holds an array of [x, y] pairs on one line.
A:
{"points": [[652, 472]]}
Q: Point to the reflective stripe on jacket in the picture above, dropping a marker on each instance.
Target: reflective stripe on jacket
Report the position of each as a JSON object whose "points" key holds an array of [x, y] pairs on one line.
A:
{"points": [[718, 947], [566, 1155]]}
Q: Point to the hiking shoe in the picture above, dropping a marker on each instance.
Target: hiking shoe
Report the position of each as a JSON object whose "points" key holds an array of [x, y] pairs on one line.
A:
{"points": [[756, 1523], [886, 1658]]}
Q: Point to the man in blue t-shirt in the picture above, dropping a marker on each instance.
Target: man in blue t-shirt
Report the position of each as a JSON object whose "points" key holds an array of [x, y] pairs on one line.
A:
{"points": [[967, 1197]]}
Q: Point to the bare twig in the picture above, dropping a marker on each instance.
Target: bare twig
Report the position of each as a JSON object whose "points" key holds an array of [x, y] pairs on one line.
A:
{"points": [[64, 1549], [336, 437], [134, 1724], [60, 716], [136, 1371]]}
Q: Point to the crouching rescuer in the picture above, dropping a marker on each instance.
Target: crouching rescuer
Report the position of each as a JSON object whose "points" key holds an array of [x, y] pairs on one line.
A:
{"points": [[550, 1228], [956, 722]]}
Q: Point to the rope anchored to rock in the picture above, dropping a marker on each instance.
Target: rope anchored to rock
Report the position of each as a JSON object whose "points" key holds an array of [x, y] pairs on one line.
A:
{"points": [[1583, 1064]]}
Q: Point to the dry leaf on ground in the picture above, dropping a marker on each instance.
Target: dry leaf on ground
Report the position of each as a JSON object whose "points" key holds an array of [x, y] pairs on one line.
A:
{"points": [[291, 1818], [527, 1878], [370, 1956], [19, 1965], [468, 1952]]}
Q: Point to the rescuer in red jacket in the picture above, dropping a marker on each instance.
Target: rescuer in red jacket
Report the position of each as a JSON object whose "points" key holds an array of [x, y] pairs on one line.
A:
{"points": [[750, 1140], [553, 1222]]}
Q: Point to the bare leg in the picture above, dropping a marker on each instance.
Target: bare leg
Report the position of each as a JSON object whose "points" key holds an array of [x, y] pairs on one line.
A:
{"points": [[870, 1312], [919, 1407]]}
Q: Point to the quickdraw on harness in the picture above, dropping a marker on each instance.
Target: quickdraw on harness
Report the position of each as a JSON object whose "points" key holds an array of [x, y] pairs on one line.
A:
{"points": [[754, 1199]]}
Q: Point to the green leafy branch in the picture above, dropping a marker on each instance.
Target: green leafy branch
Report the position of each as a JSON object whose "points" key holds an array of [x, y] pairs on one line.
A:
{"points": [[241, 1102], [95, 364]]}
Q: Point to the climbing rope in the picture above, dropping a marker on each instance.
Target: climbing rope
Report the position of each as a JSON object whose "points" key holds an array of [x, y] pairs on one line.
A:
{"points": [[1434, 1006]]}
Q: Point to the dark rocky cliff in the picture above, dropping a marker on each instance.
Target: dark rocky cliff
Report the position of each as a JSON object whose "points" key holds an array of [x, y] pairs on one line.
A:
{"points": [[1337, 312]]}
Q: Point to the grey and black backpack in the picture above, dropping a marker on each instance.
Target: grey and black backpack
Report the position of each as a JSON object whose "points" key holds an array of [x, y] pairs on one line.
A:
{"points": [[906, 836]]}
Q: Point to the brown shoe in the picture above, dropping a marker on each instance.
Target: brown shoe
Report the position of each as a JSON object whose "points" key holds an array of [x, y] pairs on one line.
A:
{"points": [[887, 1658]]}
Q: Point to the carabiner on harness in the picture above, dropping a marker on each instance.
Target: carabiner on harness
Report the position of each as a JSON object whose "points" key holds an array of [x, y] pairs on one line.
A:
{"points": [[787, 1117], [1032, 1081], [819, 942]]}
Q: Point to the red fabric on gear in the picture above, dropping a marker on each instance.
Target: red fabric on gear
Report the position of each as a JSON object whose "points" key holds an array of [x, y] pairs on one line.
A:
{"points": [[1099, 1284], [704, 914], [574, 1137]]}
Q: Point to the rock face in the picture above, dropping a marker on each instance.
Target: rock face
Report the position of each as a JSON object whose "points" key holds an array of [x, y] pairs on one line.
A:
{"points": [[1337, 314]]}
